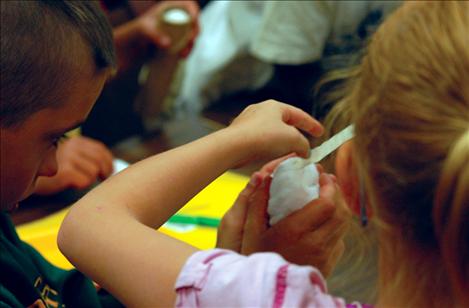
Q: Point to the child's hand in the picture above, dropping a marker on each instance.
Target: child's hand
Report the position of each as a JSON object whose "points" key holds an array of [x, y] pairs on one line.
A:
{"points": [[272, 129], [230, 232], [312, 235], [147, 24], [81, 161]]}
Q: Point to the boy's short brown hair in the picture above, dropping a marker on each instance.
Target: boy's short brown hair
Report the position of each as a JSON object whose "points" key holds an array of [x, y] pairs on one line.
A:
{"points": [[42, 47]]}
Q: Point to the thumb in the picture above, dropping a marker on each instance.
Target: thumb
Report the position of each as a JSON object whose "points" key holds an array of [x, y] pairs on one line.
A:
{"points": [[230, 231], [256, 216], [240, 206]]}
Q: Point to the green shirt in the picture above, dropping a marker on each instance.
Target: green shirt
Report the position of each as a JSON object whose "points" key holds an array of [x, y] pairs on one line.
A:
{"points": [[27, 279]]}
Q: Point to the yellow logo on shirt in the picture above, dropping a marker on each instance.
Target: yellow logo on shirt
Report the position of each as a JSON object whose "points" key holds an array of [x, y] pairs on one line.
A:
{"points": [[48, 295]]}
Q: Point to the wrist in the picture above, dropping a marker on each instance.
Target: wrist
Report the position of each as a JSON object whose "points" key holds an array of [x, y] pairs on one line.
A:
{"points": [[240, 148]]}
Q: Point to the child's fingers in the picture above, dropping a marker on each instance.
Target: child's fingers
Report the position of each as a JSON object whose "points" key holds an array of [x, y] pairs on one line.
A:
{"points": [[86, 167], [82, 151], [335, 225], [301, 146], [331, 231], [193, 8], [78, 179], [327, 188], [272, 165], [154, 34], [302, 120], [106, 161], [310, 217], [318, 211], [101, 161], [256, 220], [240, 205], [100, 155], [230, 231]]}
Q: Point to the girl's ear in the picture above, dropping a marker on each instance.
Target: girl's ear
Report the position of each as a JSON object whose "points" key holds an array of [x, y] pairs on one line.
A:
{"points": [[347, 176]]}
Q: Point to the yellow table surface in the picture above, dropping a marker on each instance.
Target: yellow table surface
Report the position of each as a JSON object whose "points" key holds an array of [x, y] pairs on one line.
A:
{"points": [[213, 201]]}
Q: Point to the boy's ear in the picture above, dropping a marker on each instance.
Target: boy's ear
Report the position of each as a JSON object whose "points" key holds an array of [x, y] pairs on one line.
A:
{"points": [[347, 176]]}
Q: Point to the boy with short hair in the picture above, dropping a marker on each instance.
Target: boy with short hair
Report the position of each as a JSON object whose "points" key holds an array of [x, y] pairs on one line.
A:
{"points": [[55, 58]]}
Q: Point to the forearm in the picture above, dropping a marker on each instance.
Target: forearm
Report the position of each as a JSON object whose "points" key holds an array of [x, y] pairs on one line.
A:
{"points": [[123, 212], [135, 263], [155, 188]]}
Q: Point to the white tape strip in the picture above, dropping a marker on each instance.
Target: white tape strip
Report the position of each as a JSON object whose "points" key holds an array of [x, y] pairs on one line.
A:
{"points": [[329, 146]]}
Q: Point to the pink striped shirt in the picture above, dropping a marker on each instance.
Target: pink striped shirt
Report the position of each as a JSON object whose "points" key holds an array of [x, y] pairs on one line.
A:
{"points": [[222, 278]]}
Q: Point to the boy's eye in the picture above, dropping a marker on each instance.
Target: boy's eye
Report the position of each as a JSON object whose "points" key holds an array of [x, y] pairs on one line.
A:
{"points": [[57, 140]]}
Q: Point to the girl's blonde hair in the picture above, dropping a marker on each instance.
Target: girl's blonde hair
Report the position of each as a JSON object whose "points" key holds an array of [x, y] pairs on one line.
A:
{"points": [[409, 100]]}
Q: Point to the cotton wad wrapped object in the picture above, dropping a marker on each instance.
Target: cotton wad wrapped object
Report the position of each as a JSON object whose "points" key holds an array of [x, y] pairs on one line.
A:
{"points": [[295, 182]]}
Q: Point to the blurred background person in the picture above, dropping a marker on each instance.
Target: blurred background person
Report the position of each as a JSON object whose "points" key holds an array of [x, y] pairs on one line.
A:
{"points": [[139, 40], [253, 50]]}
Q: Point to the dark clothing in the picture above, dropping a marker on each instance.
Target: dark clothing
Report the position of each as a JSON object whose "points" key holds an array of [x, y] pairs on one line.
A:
{"points": [[29, 280]]}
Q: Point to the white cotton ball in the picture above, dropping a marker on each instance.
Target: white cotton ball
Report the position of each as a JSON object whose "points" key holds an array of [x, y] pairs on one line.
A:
{"points": [[295, 183]]}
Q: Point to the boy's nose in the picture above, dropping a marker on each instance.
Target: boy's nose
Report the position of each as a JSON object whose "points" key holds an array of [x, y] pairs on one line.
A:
{"points": [[49, 164]]}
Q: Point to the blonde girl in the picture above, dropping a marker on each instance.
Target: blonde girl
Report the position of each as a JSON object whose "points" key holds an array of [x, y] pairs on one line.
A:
{"points": [[409, 101]]}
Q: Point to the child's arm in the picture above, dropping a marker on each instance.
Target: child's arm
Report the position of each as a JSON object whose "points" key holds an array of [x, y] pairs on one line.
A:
{"points": [[109, 234]]}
